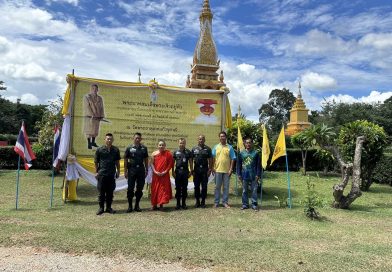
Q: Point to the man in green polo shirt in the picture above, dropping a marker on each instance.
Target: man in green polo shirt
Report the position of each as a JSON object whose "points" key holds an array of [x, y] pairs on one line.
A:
{"points": [[107, 168]]}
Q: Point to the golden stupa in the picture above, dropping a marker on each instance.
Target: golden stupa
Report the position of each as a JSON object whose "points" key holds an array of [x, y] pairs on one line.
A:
{"points": [[298, 116], [205, 58]]}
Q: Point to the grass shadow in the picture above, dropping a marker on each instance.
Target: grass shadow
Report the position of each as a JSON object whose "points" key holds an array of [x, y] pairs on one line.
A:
{"points": [[92, 203], [270, 193], [329, 175], [381, 188], [364, 208]]}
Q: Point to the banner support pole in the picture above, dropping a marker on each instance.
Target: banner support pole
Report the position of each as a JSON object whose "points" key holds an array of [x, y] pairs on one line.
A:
{"points": [[288, 180], [17, 184]]}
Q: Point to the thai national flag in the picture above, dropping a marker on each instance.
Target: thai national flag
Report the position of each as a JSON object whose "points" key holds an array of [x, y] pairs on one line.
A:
{"points": [[23, 148], [56, 145]]}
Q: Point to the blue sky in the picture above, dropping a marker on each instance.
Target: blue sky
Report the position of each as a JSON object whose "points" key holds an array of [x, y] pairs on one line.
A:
{"points": [[339, 50]]}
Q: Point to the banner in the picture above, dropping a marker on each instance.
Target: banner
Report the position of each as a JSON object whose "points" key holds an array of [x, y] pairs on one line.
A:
{"points": [[157, 112]]}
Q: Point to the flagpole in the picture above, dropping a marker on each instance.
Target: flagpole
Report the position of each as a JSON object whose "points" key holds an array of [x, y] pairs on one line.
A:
{"points": [[17, 184], [53, 159], [238, 153], [288, 180], [261, 186], [52, 189]]}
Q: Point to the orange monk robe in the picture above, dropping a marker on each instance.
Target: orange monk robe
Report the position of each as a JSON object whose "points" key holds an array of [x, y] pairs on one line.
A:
{"points": [[161, 191]]}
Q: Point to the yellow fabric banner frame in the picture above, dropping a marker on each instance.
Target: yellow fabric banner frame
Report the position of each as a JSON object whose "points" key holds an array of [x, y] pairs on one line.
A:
{"points": [[216, 105]]}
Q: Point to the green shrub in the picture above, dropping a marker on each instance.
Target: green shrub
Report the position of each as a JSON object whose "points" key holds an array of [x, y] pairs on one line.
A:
{"points": [[373, 147], [312, 201], [383, 171]]}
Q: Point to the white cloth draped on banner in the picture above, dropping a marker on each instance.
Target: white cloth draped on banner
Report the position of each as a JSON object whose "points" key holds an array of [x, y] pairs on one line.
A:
{"points": [[64, 141], [75, 171]]}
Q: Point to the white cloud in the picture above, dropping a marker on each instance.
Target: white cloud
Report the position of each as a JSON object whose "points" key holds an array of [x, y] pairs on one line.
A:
{"points": [[246, 68], [373, 97], [26, 98], [316, 81], [72, 2], [27, 20], [144, 7], [148, 41], [381, 41], [318, 42], [30, 71], [29, 98], [375, 20]]}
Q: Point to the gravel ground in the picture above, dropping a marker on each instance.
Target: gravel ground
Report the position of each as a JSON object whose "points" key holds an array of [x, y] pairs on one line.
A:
{"points": [[41, 259]]}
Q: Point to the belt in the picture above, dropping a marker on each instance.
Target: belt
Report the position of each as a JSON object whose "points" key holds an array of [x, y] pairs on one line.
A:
{"points": [[181, 168], [135, 166], [201, 166]]}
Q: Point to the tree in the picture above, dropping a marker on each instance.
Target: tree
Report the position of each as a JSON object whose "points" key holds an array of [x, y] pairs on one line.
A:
{"points": [[2, 87], [12, 114], [51, 116], [248, 129], [383, 116], [8, 122], [276, 110], [336, 114], [301, 141], [352, 139], [325, 137], [373, 148], [326, 158]]}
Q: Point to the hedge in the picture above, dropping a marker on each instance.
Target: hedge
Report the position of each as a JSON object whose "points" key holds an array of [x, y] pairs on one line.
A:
{"points": [[9, 159], [11, 139], [383, 171], [294, 158]]}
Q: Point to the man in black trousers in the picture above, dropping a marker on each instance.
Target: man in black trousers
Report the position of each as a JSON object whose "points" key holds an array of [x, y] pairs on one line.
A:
{"points": [[202, 158], [182, 164], [135, 170], [107, 169]]}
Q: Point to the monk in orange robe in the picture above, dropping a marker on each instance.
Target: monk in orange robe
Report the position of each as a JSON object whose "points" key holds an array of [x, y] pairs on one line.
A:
{"points": [[161, 163]]}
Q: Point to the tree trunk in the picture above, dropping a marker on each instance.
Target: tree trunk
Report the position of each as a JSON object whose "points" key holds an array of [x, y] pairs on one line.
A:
{"points": [[341, 201], [325, 170], [304, 154]]}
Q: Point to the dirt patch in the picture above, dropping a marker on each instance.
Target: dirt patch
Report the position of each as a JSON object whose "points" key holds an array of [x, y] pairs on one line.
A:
{"points": [[42, 259]]}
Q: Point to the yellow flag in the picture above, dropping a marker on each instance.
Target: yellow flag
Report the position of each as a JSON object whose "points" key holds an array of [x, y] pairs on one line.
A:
{"points": [[240, 142], [280, 147], [265, 149]]}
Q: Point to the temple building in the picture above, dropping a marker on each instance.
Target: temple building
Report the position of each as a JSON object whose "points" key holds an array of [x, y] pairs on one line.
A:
{"points": [[298, 116], [204, 71]]}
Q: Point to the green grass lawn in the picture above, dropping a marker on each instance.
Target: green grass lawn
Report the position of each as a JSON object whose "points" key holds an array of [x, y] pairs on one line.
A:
{"points": [[273, 239]]}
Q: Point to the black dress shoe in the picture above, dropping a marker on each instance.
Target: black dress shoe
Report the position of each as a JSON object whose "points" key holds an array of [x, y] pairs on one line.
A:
{"points": [[137, 209], [100, 211], [129, 210], [111, 211], [184, 207], [178, 207]]}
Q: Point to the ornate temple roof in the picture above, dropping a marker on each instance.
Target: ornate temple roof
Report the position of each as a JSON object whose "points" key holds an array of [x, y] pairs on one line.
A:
{"points": [[299, 102], [205, 51]]}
